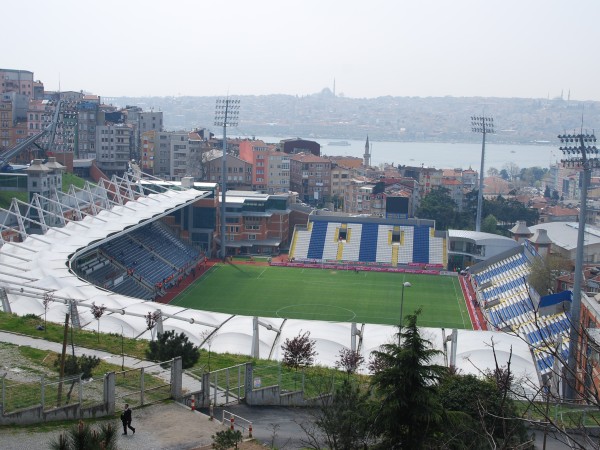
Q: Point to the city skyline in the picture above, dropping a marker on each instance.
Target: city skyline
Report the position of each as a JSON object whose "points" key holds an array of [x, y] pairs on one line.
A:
{"points": [[412, 48]]}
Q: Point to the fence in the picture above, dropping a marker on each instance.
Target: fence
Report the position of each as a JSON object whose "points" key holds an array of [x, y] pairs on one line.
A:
{"points": [[220, 387], [144, 385], [45, 392], [312, 381], [73, 398]]}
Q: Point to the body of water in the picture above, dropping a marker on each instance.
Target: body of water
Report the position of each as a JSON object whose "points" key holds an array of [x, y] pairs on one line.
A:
{"points": [[441, 155]]}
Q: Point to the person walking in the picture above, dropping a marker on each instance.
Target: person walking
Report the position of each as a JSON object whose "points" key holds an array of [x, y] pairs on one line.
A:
{"points": [[126, 419]]}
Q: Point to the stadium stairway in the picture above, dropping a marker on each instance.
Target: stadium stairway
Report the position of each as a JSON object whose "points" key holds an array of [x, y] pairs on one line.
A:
{"points": [[340, 251]]}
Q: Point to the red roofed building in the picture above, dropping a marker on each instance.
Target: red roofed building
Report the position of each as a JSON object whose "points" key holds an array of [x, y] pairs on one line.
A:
{"points": [[559, 214]]}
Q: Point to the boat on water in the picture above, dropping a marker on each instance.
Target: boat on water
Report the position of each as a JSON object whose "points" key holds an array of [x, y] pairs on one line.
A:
{"points": [[339, 143]]}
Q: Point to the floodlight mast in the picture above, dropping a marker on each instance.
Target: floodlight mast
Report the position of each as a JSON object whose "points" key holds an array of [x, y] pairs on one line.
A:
{"points": [[579, 151], [483, 125], [226, 114]]}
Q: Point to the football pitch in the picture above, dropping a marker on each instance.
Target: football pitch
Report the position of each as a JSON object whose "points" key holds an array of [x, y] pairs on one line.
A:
{"points": [[329, 295]]}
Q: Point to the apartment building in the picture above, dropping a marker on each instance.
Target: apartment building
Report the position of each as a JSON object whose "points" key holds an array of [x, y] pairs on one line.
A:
{"points": [[278, 179], [87, 121], [17, 81], [310, 177], [239, 172], [113, 147], [13, 119], [256, 153], [341, 177]]}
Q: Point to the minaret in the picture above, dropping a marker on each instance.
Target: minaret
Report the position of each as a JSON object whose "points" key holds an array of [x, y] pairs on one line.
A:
{"points": [[367, 155]]}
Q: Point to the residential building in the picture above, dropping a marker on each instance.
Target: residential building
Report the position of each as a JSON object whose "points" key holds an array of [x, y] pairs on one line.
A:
{"points": [[278, 172], [239, 172], [179, 153], [113, 148], [13, 119], [341, 178], [162, 159], [428, 177], [17, 81], [148, 151], [310, 176], [256, 153], [87, 121]]}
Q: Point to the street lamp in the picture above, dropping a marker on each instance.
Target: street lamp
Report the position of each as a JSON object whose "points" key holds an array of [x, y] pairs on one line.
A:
{"points": [[405, 284], [226, 114], [579, 151], [483, 125]]}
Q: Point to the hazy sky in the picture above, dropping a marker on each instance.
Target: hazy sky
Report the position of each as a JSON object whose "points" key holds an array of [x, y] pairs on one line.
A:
{"points": [[491, 48]]}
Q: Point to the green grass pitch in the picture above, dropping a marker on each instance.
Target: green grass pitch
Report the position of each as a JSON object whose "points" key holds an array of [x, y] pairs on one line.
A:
{"points": [[330, 295]]}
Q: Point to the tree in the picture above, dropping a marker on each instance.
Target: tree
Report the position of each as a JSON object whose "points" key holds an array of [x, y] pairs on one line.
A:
{"points": [[491, 415], [226, 439], [83, 365], [169, 345], [345, 422], [299, 351], [48, 297], [490, 225], [544, 272], [350, 360], [512, 170], [439, 206], [406, 386], [97, 312], [547, 192], [84, 437], [492, 172], [207, 337]]}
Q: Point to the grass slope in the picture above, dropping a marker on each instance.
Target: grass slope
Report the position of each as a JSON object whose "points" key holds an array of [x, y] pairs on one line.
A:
{"points": [[339, 296]]}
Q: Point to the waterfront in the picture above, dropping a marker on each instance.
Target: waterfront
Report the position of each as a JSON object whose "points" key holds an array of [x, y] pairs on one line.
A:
{"points": [[442, 155]]}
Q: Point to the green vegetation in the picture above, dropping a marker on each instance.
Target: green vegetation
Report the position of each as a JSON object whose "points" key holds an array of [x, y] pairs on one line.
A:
{"points": [[83, 437], [168, 345], [414, 403], [111, 342], [330, 295], [7, 196], [69, 179]]}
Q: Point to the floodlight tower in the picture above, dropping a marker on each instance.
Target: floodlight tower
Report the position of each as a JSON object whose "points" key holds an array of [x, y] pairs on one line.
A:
{"points": [[579, 150], [483, 125], [226, 115]]}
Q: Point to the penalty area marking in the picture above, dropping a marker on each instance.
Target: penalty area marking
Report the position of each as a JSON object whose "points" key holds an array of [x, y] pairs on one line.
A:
{"points": [[281, 310]]}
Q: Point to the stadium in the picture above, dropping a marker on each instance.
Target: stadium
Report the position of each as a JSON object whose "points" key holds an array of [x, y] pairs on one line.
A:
{"points": [[124, 244]]}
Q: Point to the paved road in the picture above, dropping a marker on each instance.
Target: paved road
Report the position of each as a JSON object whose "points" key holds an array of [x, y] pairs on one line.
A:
{"points": [[276, 426]]}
